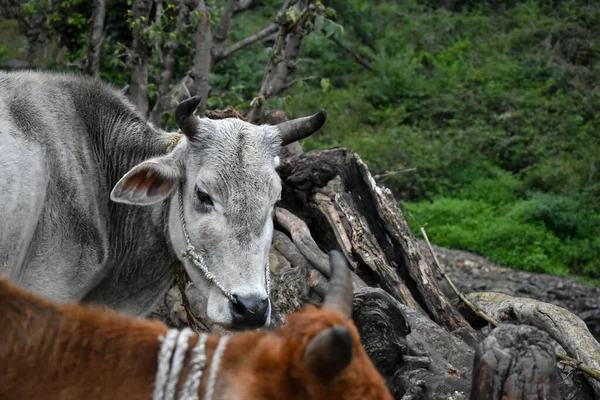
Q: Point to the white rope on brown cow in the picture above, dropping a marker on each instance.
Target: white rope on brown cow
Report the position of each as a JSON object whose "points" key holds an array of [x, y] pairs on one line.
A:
{"points": [[171, 359]]}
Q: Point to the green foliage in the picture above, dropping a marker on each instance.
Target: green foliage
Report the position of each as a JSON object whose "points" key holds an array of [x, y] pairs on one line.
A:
{"points": [[541, 232], [495, 108]]}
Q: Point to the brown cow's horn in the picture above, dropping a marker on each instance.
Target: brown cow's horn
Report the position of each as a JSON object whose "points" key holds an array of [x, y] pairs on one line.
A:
{"points": [[340, 293], [328, 353], [185, 118], [300, 128]]}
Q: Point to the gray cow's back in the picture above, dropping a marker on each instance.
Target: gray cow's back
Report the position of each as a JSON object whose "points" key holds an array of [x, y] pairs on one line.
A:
{"points": [[55, 213]]}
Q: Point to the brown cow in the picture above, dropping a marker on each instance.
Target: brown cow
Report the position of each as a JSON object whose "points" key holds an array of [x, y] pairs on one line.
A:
{"points": [[53, 351]]}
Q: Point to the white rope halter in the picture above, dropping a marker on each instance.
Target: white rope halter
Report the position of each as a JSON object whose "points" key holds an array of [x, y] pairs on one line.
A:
{"points": [[171, 360], [191, 254]]}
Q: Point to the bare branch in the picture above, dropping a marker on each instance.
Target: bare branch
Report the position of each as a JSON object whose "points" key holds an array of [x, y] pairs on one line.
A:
{"points": [[95, 38], [292, 83], [257, 37], [359, 59], [390, 173]]}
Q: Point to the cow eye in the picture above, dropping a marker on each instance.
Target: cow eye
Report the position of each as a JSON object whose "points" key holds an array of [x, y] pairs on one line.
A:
{"points": [[203, 197]]}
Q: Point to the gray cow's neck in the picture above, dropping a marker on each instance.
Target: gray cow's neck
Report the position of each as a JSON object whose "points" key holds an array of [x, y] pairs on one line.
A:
{"points": [[141, 261]]}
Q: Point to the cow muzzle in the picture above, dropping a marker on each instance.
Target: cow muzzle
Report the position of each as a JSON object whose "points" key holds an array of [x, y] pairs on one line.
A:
{"points": [[250, 312]]}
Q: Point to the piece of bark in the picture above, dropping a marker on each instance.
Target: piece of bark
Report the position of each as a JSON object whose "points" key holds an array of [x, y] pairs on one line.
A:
{"points": [[306, 245], [422, 384], [386, 329], [289, 287], [398, 243], [227, 112], [515, 363], [306, 172], [326, 205], [368, 251], [563, 326], [318, 283]]}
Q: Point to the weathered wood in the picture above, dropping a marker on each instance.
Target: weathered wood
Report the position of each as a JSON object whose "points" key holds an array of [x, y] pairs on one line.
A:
{"points": [[304, 242], [326, 205], [408, 365], [289, 287], [397, 242], [515, 363], [563, 326], [370, 254], [307, 171]]}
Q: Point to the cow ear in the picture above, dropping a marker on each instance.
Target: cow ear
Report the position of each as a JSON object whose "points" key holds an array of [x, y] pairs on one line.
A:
{"points": [[329, 353], [148, 182]]}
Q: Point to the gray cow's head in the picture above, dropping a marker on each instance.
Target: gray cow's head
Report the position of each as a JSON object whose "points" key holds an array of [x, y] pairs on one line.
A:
{"points": [[227, 171]]}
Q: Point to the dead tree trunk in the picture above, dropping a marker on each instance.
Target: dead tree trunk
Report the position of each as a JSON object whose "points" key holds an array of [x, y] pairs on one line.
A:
{"points": [[515, 363], [95, 38]]}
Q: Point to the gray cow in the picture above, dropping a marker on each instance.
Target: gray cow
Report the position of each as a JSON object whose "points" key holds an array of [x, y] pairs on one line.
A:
{"points": [[97, 205]]}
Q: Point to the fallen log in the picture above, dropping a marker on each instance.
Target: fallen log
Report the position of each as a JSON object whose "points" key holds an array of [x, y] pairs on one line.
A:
{"points": [[565, 328], [515, 363]]}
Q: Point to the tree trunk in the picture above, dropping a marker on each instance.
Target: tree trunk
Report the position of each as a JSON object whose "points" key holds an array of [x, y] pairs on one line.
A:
{"points": [[95, 38], [139, 56], [165, 100], [201, 68], [221, 32], [282, 63]]}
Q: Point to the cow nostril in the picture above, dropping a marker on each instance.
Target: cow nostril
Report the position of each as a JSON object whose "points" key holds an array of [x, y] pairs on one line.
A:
{"points": [[250, 311]]}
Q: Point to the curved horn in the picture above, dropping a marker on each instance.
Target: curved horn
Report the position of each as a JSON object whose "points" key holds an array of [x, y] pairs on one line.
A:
{"points": [[328, 353], [300, 128], [185, 118], [340, 293]]}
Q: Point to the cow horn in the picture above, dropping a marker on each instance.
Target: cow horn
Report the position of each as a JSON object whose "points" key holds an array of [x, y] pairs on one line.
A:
{"points": [[328, 353], [300, 128], [185, 118], [340, 293]]}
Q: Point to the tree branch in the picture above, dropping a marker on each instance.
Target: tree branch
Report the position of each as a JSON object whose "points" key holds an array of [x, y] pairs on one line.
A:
{"points": [[292, 83], [359, 59], [221, 32], [257, 37]]}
